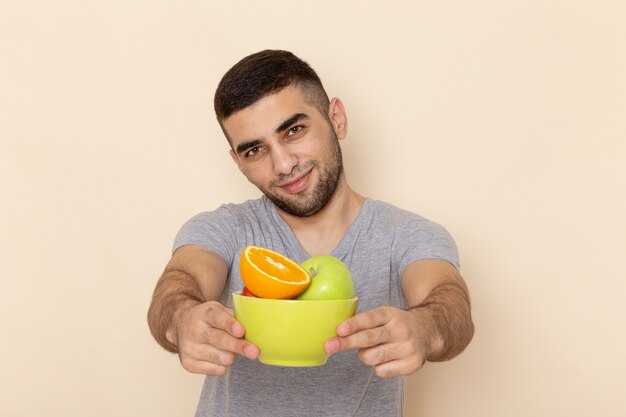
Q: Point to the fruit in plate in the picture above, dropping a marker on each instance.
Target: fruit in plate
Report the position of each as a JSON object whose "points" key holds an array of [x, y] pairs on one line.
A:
{"points": [[268, 274], [330, 279], [247, 292]]}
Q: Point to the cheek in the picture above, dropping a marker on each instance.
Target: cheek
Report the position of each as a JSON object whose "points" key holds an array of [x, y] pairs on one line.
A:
{"points": [[257, 174]]}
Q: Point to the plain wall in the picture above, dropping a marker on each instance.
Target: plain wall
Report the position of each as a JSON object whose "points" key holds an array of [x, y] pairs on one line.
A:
{"points": [[502, 120]]}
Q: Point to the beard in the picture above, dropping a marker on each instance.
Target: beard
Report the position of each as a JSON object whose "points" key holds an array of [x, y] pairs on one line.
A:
{"points": [[330, 174]]}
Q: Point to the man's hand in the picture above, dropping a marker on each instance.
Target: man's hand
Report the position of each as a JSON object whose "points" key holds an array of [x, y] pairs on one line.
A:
{"points": [[209, 338], [393, 341], [437, 327], [185, 319]]}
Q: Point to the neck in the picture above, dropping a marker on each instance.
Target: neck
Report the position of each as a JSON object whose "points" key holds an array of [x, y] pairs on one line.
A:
{"points": [[320, 233]]}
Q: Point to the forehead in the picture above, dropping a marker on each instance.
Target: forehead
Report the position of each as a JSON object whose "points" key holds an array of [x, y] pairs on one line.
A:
{"points": [[263, 117]]}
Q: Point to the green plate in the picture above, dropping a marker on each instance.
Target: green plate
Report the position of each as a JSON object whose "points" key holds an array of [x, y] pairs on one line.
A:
{"points": [[291, 332]]}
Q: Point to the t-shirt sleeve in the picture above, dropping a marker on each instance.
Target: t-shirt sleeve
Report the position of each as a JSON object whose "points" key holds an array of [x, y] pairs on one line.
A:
{"points": [[422, 239], [215, 230]]}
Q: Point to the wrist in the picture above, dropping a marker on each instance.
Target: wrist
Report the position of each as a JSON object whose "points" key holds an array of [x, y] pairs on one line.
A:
{"points": [[431, 339], [181, 311]]}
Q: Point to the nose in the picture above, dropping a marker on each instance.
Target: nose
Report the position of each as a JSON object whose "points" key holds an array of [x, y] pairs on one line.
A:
{"points": [[283, 161]]}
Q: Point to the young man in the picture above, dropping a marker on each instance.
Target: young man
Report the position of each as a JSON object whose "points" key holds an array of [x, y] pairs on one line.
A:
{"points": [[284, 135]]}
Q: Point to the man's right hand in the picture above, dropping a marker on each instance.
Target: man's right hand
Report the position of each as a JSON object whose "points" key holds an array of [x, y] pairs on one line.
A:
{"points": [[209, 338]]}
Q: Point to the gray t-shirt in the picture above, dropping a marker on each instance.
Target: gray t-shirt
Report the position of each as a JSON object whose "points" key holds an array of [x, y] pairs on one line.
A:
{"points": [[377, 247]]}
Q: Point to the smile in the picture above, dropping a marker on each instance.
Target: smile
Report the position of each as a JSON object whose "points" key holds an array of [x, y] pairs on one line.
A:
{"points": [[298, 184]]}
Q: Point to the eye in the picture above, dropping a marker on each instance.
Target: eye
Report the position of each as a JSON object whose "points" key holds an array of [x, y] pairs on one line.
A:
{"points": [[294, 130], [254, 151]]}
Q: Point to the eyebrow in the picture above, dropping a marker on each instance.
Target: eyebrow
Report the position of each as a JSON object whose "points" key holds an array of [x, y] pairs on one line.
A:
{"points": [[242, 147], [293, 119]]}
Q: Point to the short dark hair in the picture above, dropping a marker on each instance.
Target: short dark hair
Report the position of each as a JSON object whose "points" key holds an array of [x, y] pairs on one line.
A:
{"points": [[263, 73]]}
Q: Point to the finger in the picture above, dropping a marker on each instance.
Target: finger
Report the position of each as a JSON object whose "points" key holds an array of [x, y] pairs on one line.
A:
{"points": [[221, 353], [202, 367], [360, 340], [220, 317], [226, 342], [404, 367], [379, 354], [389, 351], [363, 321], [208, 353]]}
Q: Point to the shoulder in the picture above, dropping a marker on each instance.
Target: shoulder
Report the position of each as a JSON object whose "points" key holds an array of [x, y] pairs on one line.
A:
{"points": [[394, 217], [413, 236], [226, 220], [221, 229], [231, 212]]}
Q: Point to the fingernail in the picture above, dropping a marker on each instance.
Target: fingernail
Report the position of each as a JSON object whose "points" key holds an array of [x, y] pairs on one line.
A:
{"points": [[250, 352], [342, 330], [332, 346]]}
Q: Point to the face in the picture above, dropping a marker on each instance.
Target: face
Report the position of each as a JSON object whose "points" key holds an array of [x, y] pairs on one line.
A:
{"points": [[289, 150]]}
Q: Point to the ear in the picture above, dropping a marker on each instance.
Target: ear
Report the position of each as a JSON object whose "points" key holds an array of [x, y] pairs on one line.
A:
{"points": [[338, 118], [234, 157]]}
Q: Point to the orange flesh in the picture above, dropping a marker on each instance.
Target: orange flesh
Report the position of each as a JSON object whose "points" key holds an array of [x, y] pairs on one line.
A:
{"points": [[274, 267]]}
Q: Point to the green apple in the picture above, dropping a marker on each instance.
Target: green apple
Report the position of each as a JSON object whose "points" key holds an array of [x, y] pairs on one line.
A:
{"points": [[330, 279]]}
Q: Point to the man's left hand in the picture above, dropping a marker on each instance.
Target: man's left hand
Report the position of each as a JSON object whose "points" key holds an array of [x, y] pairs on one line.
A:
{"points": [[394, 341]]}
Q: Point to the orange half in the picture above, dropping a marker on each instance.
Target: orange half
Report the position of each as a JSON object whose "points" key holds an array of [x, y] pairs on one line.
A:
{"points": [[268, 274]]}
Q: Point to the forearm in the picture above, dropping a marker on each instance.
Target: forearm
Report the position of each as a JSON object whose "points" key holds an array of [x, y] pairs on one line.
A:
{"points": [[446, 313], [174, 294]]}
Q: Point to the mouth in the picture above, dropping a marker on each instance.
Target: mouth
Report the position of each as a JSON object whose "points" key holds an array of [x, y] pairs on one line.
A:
{"points": [[298, 184]]}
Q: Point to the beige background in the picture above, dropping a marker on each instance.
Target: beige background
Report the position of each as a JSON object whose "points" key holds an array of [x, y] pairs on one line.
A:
{"points": [[502, 120]]}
